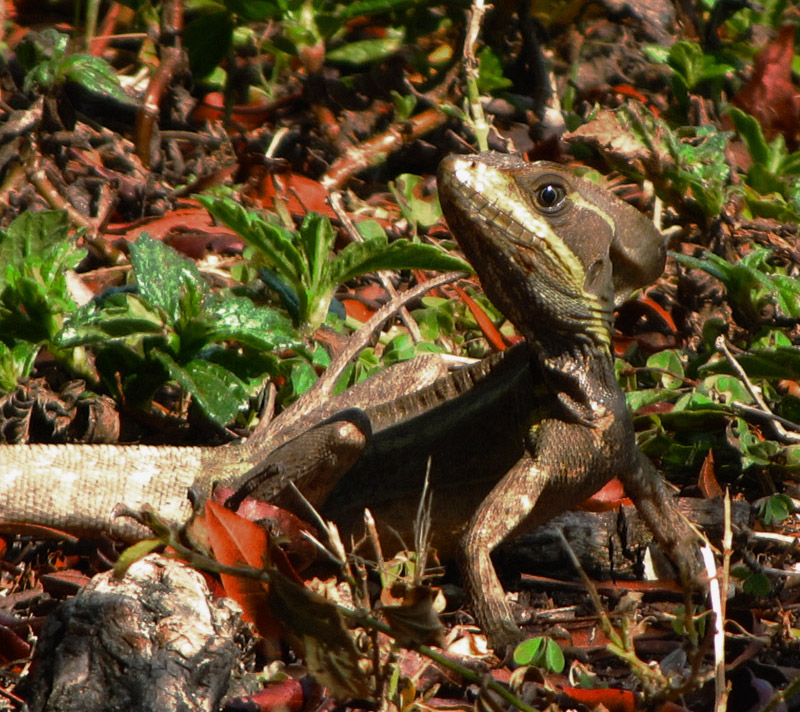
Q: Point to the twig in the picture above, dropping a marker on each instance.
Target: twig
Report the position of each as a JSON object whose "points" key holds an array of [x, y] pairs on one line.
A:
{"points": [[38, 176], [720, 692], [778, 424], [373, 152], [173, 60], [479, 124], [621, 644], [335, 200], [276, 139], [323, 388], [727, 553]]}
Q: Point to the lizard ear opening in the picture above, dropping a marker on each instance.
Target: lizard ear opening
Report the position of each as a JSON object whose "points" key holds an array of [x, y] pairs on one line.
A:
{"points": [[598, 281]]}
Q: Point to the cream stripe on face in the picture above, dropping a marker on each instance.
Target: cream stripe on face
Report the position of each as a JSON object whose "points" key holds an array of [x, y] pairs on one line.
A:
{"points": [[513, 206], [581, 202], [508, 199]]}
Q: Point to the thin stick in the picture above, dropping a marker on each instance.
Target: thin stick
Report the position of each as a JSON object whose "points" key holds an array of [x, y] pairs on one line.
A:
{"points": [[335, 200]]}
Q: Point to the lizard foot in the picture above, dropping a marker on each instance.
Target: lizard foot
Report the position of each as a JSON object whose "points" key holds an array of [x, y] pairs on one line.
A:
{"points": [[503, 637]]}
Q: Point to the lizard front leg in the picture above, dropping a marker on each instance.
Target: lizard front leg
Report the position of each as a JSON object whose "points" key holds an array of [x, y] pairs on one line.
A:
{"points": [[672, 531], [567, 462]]}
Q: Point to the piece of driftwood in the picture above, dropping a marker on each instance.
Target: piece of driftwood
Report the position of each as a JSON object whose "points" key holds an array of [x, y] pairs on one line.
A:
{"points": [[153, 641]]}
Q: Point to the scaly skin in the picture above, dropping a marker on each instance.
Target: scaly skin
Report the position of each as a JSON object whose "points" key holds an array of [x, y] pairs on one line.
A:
{"points": [[554, 253], [512, 443]]}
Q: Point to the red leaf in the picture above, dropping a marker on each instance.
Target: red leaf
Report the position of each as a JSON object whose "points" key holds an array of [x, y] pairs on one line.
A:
{"points": [[189, 229], [300, 194], [706, 480], [290, 695], [769, 94], [245, 116], [658, 309], [612, 700], [490, 331], [235, 542], [12, 646], [791, 388], [286, 530], [610, 496], [357, 308]]}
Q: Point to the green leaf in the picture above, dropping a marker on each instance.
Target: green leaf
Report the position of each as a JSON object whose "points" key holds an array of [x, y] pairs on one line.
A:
{"points": [[490, 72], [235, 317], [528, 651], [94, 74], [756, 584], [750, 130], [120, 316], [35, 252], [208, 38], [657, 53], [418, 211], [554, 657], [301, 377], [167, 280], [542, 652], [361, 257], [639, 399], [725, 388], [400, 348], [668, 368], [404, 105], [365, 51], [371, 230], [217, 392], [15, 363], [134, 553], [274, 244], [693, 66], [775, 509], [39, 244], [316, 240]]}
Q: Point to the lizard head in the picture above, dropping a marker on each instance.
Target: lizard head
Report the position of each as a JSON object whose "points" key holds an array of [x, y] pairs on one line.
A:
{"points": [[555, 253]]}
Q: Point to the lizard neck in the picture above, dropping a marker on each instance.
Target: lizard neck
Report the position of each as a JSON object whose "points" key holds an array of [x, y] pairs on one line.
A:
{"points": [[581, 376]]}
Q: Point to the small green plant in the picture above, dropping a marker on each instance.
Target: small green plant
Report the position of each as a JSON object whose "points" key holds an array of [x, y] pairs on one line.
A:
{"points": [[773, 180], [305, 28], [419, 211], [541, 652], [759, 287], [699, 618], [688, 165], [299, 266], [775, 509], [692, 68], [36, 252], [49, 65], [754, 583], [490, 72], [174, 328]]}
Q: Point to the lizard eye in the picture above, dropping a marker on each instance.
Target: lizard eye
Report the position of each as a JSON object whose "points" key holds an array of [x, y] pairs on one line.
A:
{"points": [[550, 196]]}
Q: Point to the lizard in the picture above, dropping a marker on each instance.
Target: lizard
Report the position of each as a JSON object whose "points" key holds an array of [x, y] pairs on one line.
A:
{"points": [[514, 440]]}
